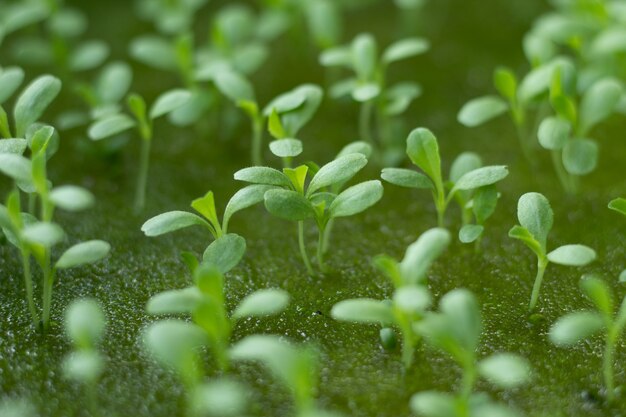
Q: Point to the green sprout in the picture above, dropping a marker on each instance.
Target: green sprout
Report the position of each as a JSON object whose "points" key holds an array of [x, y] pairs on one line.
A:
{"points": [[142, 120], [423, 150], [575, 327], [205, 303], [536, 218], [290, 198], [294, 366], [84, 325], [369, 84], [411, 298], [456, 330], [227, 249]]}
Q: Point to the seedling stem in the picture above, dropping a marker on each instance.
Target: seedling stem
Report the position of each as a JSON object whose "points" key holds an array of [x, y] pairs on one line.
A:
{"points": [[542, 263]]}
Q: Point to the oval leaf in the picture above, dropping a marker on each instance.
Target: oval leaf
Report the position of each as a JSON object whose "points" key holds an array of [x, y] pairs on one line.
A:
{"points": [[481, 110], [572, 255], [406, 178], [34, 100], [71, 198], [363, 310], [356, 199], [288, 205], [225, 252], [262, 303], [580, 156], [505, 370], [535, 215], [574, 327], [338, 171], [171, 221], [109, 126], [83, 253], [168, 102]]}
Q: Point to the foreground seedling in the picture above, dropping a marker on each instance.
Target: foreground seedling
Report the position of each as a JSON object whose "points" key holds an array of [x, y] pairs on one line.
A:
{"points": [[85, 325], [456, 330], [575, 327], [423, 150], [411, 298], [536, 218]]}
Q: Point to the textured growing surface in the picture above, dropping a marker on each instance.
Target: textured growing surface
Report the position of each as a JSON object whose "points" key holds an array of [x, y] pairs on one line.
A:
{"points": [[356, 376]]}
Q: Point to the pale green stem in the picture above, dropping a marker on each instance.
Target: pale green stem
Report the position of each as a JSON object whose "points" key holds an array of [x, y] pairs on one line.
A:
{"points": [[467, 384], [607, 364], [28, 282], [329, 229], [320, 248], [564, 176], [440, 205], [305, 257], [408, 348], [48, 280], [522, 137], [365, 117], [142, 176], [32, 203], [257, 141], [542, 263]]}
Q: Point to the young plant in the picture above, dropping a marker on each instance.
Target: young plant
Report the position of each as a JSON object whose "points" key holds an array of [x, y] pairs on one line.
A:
{"points": [[411, 298], [205, 303], [369, 84], [575, 327], [34, 236], [423, 150], [290, 198], [295, 367], [456, 330], [536, 218], [142, 120], [227, 249], [85, 325]]}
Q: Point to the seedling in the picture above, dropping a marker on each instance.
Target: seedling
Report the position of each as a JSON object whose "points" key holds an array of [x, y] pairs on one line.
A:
{"points": [[575, 327], [536, 218], [227, 249], [84, 325], [142, 120], [456, 330], [170, 17], [411, 298], [295, 367], [290, 198], [423, 150], [369, 84]]}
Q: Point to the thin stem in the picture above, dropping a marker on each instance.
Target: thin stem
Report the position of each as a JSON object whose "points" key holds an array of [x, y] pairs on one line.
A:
{"points": [[408, 348], [305, 257], [329, 229], [440, 205], [607, 365], [522, 137], [365, 117], [320, 248], [28, 282], [142, 177], [564, 176], [48, 280], [257, 141], [32, 203], [542, 263], [92, 397], [467, 383]]}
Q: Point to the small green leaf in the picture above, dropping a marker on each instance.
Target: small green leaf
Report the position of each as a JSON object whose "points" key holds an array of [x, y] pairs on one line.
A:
{"points": [[114, 81], [84, 366], [506, 83], [619, 205], [242, 199], [480, 110], [363, 310], [168, 102], [336, 57], [464, 163], [521, 233], [422, 253], [71, 198], [88, 55], [337, 171], [470, 232], [16, 167], [554, 133], [14, 146], [205, 205], [43, 233], [262, 175], [171, 221], [225, 252], [109, 126], [463, 312], [356, 199], [622, 276], [222, 397], [598, 103], [485, 202], [288, 205], [434, 404], [84, 322], [10, 80], [505, 370], [574, 327], [34, 100], [234, 86], [182, 301], [535, 214], [364, 56], [481, 177], [297, 176], [405, 48], [286, 148], [154, 51], [83, 253], [406, 178], [598, 292], [174, 343], [572, 255], [412, 299], [580, 156], [366, 92], [262, 303], [423, 149]]}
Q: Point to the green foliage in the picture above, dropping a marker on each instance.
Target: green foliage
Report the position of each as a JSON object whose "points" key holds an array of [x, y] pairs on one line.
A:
{"points": [[618, 205], [577, 326], [536, 218]]}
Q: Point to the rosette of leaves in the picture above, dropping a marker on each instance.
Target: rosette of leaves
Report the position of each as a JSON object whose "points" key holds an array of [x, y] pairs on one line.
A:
{"points": [[568, 134], [227, 249], [85, 325], [536, 218], [294, 366], [292, 198], [456, 330], [33, 236], [204, 302], [369, 85], [467, 180], [575, 327], [142, 120], [411, 298]]}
